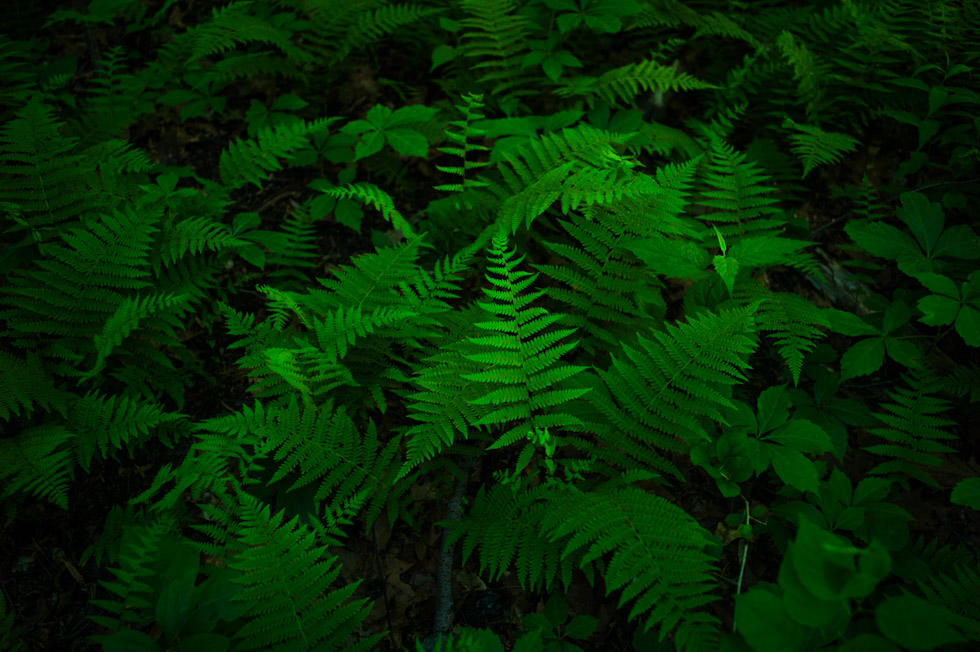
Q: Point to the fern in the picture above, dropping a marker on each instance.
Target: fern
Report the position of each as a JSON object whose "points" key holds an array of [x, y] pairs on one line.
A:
{"points": [[142, 548], [286, 580], [657, 553], [735, 190], [372, 194], [24, 385], [41, 172], [38, 462], [793, 323], [250, 161], [816, 147], [601, 280], [625, 83], [521, 359], [913, 430], [663, 393], [467, 130], [506, 522], [577, 165], [497, 36]]}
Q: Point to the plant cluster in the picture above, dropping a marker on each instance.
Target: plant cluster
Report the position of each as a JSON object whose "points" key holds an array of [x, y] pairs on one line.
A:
{"points": [[594, 280]]}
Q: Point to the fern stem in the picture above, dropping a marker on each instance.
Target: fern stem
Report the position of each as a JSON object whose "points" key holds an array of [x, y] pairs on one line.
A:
{"points": [[741, 570]]}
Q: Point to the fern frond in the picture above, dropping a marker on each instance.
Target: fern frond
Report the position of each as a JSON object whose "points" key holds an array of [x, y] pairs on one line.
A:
{"points": [[375, 196], [498, 36], [506, 523], [622, 85], [321, 446], [100, 421], [462, 138], [792, 322], [914, 432], [521, 359], [373, 25], [816, 147], [250, 161], [37, 461], [286, 579], [25, 384], [142, 548], [956, 590], [239, 23], [600, 281], [40, 171], [79, 286], [657, 554], [541, 171], [735, 189], [662, 393]]}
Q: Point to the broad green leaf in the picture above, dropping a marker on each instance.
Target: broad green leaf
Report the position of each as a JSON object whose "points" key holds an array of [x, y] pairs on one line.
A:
{"points": [[801, 605], [916, 624], [847, 323], [803, 436], [967, 492], [371, 144], [794, 468], [763, 622], [773, 406], [958, 242], [938, 310], [407, 142], [968, 325], [897, 314], [924, 219], [727, 268], [904, 352], [883, 240], [938, 284], [864, 358]]}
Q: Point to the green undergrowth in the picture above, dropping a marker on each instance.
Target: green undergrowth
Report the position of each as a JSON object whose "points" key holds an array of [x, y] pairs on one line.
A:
{"points": [[593, 264]]}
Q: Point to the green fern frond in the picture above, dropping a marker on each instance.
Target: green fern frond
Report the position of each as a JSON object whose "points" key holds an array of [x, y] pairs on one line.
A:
{"points": [[521, 359], [40, 171], [286, 579], [38, 462], [111, 422], [79, 286], [657, 554], [462, 138], [964, 380], [370, 281], [239, 23], [126, 319], [816, 147], [321, 446], [506, 523], [445, 401], [375, 196], [914, 431], [576, 164], [622, 85], [25, 384], [662, 393], [374, 25], [143, 547], [806, 69], [600, 281], [193, 235], [250, 161], [498, 36], [956, 590], [792, 322], [734, 188]]}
